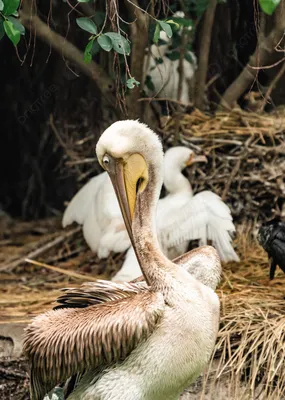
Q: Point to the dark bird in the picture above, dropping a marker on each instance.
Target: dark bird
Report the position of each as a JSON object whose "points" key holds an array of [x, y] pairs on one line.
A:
{"points": [[271, 236]]}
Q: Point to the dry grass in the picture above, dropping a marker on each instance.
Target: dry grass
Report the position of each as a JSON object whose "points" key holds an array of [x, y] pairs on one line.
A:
{"points": [[251, 341], [245, 154]]}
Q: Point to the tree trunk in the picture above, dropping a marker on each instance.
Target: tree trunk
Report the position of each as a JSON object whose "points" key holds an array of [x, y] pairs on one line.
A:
{"points": [[139, 39], [263, 55], [201, 75]]}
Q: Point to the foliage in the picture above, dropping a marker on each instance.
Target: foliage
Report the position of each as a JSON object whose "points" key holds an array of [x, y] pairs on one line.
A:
{"points": [[268, 6], [10, 25], [102, 38]]}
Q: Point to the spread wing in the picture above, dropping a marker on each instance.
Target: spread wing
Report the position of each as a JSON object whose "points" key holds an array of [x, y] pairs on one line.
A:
{"points": [[82, 209], [205, 217], [63, 342], [79, 207], [96, 207]]}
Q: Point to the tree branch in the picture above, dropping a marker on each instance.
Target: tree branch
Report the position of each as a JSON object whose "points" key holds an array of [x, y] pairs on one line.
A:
{"points": [[139, 39], [204, 50], [64, 47], [262, 55]]}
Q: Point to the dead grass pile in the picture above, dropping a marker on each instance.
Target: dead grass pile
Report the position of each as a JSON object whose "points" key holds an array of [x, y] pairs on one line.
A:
{"points": [[245, 154], [250, 350]]}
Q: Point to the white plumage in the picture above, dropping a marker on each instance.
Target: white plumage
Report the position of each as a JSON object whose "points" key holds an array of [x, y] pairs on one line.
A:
{"points": [[96, 208], [181, 216], [165, 76]]}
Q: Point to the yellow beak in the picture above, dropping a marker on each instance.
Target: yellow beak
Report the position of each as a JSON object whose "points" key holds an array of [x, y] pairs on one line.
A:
{"points": [[128, 177], [194, 159]]}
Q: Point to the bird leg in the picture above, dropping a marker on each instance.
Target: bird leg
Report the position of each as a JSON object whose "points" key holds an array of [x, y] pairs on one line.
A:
{"points": [[272, 266]]}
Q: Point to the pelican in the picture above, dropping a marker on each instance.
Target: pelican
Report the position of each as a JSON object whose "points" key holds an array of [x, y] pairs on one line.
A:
{"points": [[165, 75], [133, 341], [182, 216]]}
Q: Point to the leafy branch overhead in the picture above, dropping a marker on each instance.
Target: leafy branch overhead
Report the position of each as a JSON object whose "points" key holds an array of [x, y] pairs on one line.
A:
{"points": [[100, 38], [106, 41], [9, 24]]}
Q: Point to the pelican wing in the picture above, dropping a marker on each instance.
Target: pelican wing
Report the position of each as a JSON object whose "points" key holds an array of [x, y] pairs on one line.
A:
{"points": [[64, 342], [78, 209], [82, 209], [96, 207], [204, 264], [205, 217]]}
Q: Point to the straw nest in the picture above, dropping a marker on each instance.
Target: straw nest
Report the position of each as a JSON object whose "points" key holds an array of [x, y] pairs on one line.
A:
{"points": [[250, 351], [245, 154]]}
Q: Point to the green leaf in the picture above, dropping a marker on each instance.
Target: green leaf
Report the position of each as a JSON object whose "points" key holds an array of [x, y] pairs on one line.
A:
{"points": [[88, 52], [200, 7], [183, 22], [173, 56], [99, 18], [268, 6], [95, 48], [87, 25], [105, 42], [2, 31], [131, 83], [10, 6], [171, 22], [12, 33], [17, 25], [1, 5], [189, 58], [149, 84], [156, 33], [166, 27], [120, 44]]}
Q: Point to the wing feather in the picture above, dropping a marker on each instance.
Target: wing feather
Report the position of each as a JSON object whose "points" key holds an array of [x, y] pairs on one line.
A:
{"points": [[205, 217], [79, 207], [67, 341]]}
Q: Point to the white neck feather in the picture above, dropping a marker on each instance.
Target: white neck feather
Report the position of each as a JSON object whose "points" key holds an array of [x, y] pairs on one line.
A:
{"points": [[175, 181]]}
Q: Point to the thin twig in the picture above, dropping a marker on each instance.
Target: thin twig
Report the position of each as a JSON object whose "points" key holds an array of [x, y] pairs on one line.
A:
{"points": [[40, 251], [62, 271]]}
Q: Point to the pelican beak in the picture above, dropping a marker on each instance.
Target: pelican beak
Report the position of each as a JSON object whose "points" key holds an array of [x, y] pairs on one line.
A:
{"points": [[128, 177], [194, 159]]}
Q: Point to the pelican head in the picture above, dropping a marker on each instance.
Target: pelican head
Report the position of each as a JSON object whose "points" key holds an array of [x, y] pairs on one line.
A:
{"points": [[182, 157], [132, 155], [175, 160]]}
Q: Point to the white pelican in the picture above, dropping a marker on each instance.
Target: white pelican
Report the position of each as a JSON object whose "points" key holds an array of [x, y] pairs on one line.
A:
{"points": [[131, 341], [165, 75], [182, 216], [96, 208]]}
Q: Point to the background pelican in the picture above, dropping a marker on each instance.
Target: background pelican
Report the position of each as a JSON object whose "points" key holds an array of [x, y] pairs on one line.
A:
{"points": [[131, 341]]}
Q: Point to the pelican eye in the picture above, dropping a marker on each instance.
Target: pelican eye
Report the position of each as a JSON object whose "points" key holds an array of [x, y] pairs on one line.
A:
{"points": [[106, 160]]}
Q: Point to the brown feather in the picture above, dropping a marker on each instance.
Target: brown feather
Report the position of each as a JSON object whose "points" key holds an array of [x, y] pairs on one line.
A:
{"points": [[63, 342], [92, 293]]}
